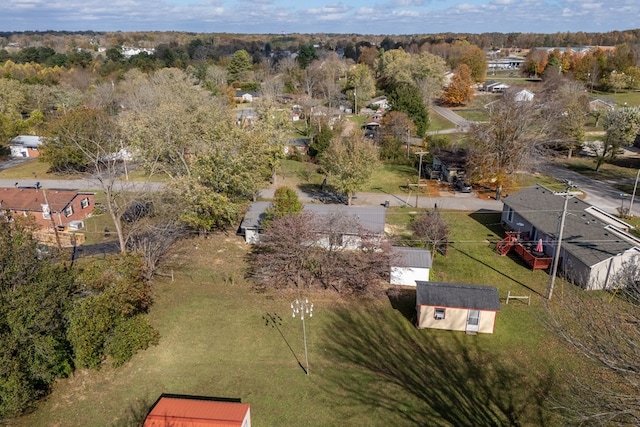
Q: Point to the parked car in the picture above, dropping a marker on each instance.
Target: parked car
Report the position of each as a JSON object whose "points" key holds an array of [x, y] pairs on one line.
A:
{"points": [[462, 186]]}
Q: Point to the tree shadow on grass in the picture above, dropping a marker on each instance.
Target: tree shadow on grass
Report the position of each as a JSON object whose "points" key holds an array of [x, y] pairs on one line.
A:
{"points": [[427, 378], [135, 413]]}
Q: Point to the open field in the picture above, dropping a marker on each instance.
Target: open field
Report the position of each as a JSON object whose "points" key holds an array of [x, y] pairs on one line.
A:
{"points": [[369, 366]]}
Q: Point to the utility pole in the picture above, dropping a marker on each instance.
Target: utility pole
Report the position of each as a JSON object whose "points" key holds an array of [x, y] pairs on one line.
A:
{"points": [[421, 153], [556, 256], [633, 195]]}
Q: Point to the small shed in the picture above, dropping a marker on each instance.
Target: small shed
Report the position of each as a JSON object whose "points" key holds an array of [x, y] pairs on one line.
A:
{"points": [[25, 146], [176, 410], [413, 264], [457, 307]]}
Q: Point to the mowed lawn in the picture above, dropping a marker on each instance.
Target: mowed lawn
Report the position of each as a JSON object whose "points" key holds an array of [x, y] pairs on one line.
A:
{"points": [[369, 366]]}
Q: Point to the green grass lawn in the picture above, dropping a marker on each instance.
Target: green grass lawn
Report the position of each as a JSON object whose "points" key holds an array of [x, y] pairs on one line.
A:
{"points": [[33, 169], [369, 366], [437, 122], [620, 173]]}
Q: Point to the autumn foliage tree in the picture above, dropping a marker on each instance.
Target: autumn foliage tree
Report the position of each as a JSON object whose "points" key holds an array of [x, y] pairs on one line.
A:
{"points": [[460, 90]]}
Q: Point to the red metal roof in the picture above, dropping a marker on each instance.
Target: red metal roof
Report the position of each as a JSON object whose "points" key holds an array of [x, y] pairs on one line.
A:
{"points": [[31, 199], [182, 412]]}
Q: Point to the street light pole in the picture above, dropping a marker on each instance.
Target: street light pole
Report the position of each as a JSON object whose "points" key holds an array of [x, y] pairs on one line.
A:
{"points": [[303, 308], [556, 256]]}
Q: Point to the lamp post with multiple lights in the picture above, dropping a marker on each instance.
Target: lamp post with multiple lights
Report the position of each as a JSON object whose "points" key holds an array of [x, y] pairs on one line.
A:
{"points": [[303, 308]]}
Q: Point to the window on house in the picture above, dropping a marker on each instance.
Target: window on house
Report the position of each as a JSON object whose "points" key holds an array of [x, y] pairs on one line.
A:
{"points": [[84, 203], [68, 211], [510, 215], [438, 313]]}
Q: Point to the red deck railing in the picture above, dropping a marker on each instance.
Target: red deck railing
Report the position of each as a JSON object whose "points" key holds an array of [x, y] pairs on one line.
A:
{"points": [[512, 242]]}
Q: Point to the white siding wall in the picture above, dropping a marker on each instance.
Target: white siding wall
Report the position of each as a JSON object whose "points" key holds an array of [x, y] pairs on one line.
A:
{"points": [[407, 276]]}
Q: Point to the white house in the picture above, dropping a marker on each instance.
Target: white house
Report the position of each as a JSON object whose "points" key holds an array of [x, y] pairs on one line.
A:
{"points": [[595, 244], [524, 95], [368, 219], [25, 146], [413, 264]]}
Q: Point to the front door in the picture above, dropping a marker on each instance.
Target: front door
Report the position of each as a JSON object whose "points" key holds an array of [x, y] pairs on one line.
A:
{"points": [[473, 320]]}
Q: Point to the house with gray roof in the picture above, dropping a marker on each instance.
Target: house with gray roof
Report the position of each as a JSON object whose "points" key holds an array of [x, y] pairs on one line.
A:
{"points": [[25, 146], [410, 265], [369, 220], [457, 307], [595, 244]]}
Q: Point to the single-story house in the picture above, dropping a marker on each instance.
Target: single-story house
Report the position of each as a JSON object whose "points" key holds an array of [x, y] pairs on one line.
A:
{"points": [[493, 86], [176, 410], [244, 96], [412, 264], [381, 102], [25, 146], [369, 218], [524, 95], [595, 244], [297, 145], [457, 307], [601, 105], [448, 165], [64, 208]]}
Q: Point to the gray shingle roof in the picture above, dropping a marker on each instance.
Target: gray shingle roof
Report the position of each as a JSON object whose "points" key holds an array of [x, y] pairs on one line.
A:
{"points": [[27, 141], [586, 237], [457, 295], [371, 218], [413, 257]]}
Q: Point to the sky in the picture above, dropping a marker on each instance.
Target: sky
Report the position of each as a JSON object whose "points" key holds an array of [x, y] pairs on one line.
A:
{"points": [[321, 16]]}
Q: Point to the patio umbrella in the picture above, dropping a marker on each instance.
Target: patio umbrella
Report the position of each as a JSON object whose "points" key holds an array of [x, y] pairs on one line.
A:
{"points": [[539, 246]]}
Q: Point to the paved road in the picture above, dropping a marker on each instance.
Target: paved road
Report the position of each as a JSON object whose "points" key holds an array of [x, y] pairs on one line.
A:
{"points": [[452, 116], [598, 193], [452, 201], [80, 184]]}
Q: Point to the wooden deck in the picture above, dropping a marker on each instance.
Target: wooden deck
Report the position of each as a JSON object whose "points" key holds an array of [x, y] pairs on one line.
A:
{"points": [[512, 242]]}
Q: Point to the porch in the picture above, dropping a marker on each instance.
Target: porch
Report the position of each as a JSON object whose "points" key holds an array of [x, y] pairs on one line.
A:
{"points": [[519, 243]]}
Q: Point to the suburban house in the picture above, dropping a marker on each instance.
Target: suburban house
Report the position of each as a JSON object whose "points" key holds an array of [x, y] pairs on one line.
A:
{"points": [[368, 218], [595, 244], [25, 146], [457, 307], [176, 410], [244, 96], [447, 165], [524, 95], [297, 145], [601, 105], [62, 208], [380, 103], [493, 86], [412, 265]]}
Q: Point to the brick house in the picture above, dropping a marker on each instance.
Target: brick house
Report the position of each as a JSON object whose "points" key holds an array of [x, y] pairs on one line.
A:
{"points": [[48, 207]]}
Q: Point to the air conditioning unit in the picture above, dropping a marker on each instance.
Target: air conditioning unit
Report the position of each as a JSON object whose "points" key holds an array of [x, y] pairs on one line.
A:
{"points": [[76, 225]]}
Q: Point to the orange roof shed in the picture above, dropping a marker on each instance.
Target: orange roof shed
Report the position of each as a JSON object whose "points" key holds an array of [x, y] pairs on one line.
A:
{"points": [[201, 411]]}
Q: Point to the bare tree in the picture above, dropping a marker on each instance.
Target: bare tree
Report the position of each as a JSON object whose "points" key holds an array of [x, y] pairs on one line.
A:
{"points": [[305, 251], [283, 257], [431, 230], [505, 143], [605, 328]]}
